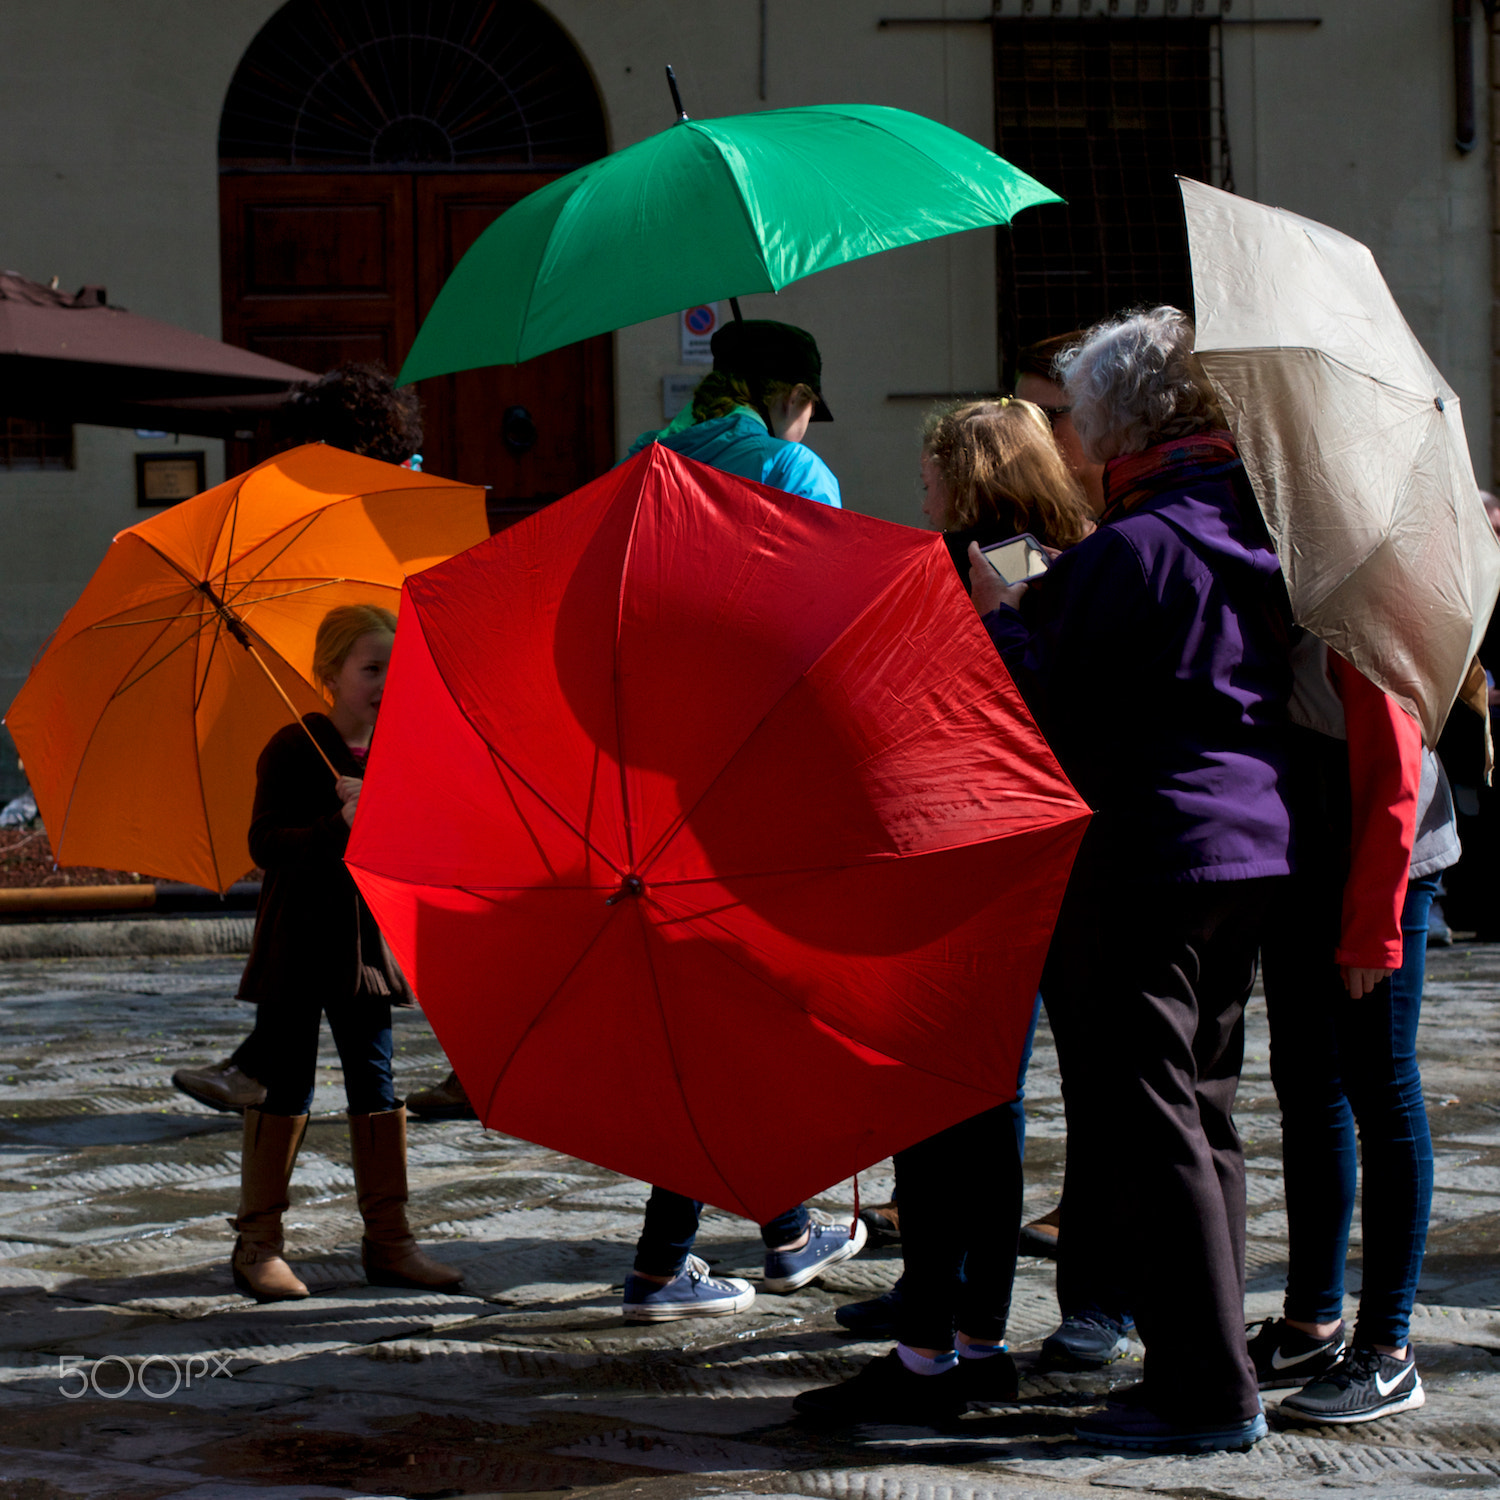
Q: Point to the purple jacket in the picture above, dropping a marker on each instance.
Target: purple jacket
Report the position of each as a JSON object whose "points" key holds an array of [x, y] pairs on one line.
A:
{"points": [[1154, 656]]}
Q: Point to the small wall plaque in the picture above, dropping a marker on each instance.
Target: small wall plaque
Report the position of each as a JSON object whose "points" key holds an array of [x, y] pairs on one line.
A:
{"points": [[166, 478]]}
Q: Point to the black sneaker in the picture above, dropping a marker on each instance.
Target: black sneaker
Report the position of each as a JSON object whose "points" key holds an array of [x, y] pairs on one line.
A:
{"points": [[1363, 1386], [991, 1381], [875, 1319], [1284, 1356], [886, 1391], [1085, 1341]]}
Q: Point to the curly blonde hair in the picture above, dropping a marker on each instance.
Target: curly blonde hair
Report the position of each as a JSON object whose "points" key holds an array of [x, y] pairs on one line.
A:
{"points": [[999, 462]]}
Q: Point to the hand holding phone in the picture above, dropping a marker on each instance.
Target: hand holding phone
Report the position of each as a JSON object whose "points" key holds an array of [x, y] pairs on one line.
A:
{"points": [[1017, 559]]}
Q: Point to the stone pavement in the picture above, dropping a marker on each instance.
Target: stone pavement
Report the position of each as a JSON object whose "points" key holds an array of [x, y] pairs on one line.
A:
{"points": [[114, 1191]]}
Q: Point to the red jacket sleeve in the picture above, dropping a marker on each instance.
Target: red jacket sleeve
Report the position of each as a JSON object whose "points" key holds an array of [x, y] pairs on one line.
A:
{"points": [[1385, 772]]}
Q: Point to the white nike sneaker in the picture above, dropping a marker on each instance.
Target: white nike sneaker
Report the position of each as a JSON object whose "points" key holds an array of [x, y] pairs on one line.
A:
{"points": [[1284, 1356], [1363, 1386]]}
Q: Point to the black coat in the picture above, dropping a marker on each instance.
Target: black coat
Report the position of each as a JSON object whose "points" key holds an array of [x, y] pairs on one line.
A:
{"points": [[315, 939]]}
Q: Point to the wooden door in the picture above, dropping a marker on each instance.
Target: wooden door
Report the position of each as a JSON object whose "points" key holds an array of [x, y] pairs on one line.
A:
{"points": [[533, 431], [323, 268]]}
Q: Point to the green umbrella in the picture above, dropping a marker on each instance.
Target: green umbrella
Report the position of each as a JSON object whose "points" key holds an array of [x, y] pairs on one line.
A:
{"points": [[709, 209]]}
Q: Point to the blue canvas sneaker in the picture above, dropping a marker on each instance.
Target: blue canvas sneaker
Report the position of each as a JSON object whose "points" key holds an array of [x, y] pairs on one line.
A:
{"points": [[827, 1245], [691, 1293]]}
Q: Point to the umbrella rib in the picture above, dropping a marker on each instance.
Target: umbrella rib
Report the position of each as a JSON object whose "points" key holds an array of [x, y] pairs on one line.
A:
{"points": [[666, 1032], [290, 542], [502, 760], [684, 815], [94, 729], [615, 685], [542, 1009]]}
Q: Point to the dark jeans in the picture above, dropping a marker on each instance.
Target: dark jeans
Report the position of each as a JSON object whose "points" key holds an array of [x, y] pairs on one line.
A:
{"points": [[251, 1057], [671, 1227], [959, 1193], [288, 1054], [1340, 1064], [1146, 989]]}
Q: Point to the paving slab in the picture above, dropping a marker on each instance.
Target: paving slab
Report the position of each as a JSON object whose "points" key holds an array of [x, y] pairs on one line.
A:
{"points": [[114, 1192]]}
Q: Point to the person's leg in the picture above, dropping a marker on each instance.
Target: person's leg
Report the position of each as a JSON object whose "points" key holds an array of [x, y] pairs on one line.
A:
{"points": [[1378, 1042], [669, 1281], [1078, 964], [290, 1067], [668, 1232], [1318, 1147], [272, 1137], [959, 1235], [787, 1231], [361, 1029], [1165, 1010], [250, 1056]]}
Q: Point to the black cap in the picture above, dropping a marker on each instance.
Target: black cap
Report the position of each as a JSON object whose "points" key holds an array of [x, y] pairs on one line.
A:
{"points": [[760, 349]]}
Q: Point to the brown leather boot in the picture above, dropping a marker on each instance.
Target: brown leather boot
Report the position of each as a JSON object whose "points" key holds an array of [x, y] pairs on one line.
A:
{"points": [[269, 1152], [389, 1253], [1040, 1236]]}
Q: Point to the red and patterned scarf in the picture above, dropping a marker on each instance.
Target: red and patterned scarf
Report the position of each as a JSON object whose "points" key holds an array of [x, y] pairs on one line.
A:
{"points": [[1138, 476]]}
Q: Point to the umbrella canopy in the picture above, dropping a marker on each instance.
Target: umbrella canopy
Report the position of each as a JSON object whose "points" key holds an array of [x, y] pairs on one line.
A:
{"points": [[73, 357], [1353, 442], [738, 852], [143, 718], [709, 209]]}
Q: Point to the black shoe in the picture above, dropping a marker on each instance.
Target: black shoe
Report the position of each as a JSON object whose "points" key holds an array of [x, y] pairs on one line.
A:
{"points": [[1284, 1356], [875, 1319], [1363, 1386], [883, 1224], [1085, 1341], [991, 1381], [886, 1391]]}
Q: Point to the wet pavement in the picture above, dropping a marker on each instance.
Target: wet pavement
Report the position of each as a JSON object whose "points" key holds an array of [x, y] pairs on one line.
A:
{"points": [[130, 1368]]}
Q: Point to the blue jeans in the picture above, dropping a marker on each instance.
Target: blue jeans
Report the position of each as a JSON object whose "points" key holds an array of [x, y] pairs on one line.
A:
{"points": [[1339, 1065], [287, 1054], [671, 1227]]}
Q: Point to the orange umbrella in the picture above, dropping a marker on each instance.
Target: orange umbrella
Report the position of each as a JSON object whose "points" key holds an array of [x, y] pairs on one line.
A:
{"points": [[141, 722]]}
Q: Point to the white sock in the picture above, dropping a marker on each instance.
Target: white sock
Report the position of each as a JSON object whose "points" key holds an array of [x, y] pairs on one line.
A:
{"points": [[979, 1351], [920, 1364]]}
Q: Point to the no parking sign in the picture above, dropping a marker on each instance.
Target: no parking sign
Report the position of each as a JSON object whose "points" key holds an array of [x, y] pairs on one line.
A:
{"points": [[696, 326]]}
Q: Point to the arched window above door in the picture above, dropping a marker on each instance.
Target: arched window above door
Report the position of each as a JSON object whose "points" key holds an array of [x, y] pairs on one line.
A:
{"points": [[410, 85]]}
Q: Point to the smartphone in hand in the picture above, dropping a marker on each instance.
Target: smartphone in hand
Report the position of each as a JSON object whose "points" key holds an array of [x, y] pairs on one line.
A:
{"points": [[1018, 558]]}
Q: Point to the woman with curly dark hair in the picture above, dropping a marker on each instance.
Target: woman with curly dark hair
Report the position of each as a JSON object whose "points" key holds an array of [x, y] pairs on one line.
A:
{"points": [[358, 407]]}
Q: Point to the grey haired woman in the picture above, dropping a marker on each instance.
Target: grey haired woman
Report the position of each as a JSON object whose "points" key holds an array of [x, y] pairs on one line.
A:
{"points": [[1154, 655]]}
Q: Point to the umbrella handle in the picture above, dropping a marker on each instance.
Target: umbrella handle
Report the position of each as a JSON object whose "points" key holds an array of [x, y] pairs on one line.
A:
{"points": [[297, 718]]}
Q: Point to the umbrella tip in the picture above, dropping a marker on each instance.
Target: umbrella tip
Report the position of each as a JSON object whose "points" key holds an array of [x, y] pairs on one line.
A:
{"points": [[682, 114]]}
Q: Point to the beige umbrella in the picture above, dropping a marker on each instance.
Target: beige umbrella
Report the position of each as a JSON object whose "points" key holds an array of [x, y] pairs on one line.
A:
{"points": [[1354, 446]]}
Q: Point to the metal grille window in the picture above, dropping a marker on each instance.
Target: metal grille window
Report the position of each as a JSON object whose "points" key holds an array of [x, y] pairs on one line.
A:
{"points": [[1106, 110], [26, 444]]}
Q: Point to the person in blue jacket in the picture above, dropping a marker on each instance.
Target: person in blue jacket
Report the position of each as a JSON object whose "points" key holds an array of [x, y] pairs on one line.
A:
{"points": [[750, 414], [747, 417]]}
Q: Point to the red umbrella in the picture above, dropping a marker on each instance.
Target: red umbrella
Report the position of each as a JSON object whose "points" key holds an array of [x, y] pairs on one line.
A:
{"points": [[713, 834]]}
